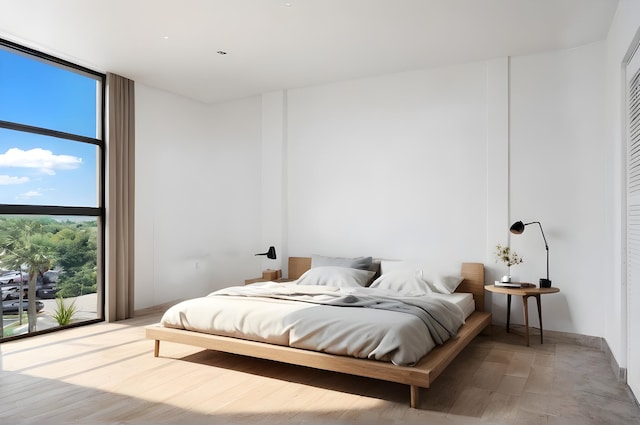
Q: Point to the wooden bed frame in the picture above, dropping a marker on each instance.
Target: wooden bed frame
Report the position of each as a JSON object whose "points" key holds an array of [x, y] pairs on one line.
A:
{"points": [[419, 376]]}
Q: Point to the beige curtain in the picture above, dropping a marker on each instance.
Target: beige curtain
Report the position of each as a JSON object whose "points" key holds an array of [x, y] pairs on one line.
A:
{"points": [[120, 198]]}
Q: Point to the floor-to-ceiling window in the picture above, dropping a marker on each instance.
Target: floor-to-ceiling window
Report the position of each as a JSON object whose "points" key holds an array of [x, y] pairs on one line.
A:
{"points": [[51, 193]]}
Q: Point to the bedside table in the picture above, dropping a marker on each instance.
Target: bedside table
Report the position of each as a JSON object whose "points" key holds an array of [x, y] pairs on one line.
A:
{"points": [[525, 293], [267, 276]]}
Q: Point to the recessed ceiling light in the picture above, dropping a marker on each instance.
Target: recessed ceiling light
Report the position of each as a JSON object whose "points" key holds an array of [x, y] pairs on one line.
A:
{"points": [[288, 4], [221, 52], [166, 37]]}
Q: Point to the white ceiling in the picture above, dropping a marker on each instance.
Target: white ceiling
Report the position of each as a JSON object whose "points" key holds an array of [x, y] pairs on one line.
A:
{"points": [[279, 44]]}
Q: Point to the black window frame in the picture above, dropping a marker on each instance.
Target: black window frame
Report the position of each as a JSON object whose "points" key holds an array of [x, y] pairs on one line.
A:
{"points": [[56, 210]]}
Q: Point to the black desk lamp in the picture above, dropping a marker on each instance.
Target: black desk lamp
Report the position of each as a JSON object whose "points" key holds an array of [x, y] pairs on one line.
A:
{"points": [[271, 253], [517, 228]]}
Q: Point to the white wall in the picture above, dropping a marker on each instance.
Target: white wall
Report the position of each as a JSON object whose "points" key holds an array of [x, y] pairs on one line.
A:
{"points": [[274, 199], [436, 164], [197, 195], [393, 167], [557, 177]]}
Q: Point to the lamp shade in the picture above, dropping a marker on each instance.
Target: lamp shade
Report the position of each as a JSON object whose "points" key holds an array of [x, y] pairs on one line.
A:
{"points": [[271, 253], [517, 227]]}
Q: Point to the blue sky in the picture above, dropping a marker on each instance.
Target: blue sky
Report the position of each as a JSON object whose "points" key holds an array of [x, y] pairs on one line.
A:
{"points": [[42, 170]]}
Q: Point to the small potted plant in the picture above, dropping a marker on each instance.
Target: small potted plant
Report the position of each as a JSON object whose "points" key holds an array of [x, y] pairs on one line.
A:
{"points": [[509, 257]]}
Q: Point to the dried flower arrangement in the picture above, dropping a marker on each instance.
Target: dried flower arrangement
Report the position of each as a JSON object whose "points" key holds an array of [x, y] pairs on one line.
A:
{"points": [[506, 255]]}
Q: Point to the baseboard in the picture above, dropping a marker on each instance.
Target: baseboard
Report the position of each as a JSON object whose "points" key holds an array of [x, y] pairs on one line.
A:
{"points": [[555, 337], [588, 341], [619, 372], [161, 308]]}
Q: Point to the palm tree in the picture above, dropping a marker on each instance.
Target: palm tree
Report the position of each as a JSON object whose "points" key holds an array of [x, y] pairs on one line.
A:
{"points": [[28, 248]]}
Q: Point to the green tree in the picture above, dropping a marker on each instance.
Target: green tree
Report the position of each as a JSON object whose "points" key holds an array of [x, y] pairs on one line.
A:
{"points": [[76, 249], [26, 247]]}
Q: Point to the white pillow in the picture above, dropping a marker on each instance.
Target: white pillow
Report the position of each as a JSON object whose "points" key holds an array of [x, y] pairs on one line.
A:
{"points": [[362, 263], [403, 282], [442, 282], [387, 266], [340, 277]]}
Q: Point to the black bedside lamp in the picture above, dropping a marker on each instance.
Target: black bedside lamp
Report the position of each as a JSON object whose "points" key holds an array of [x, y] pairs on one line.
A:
{"points": [[271, 253], [517, 228]]}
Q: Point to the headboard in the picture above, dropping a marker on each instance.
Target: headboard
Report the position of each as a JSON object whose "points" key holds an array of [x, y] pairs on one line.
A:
{"points": [[297, 266], [473, 274]]}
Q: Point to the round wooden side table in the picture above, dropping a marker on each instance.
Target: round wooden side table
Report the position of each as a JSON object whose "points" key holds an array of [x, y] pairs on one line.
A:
{"points": [[525, 293]]}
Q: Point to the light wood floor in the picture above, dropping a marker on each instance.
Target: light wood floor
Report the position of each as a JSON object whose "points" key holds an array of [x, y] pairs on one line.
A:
{"points": [[106, 374]]}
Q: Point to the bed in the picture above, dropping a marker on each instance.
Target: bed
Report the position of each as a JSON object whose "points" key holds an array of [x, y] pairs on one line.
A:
{"points": [[419, 374]]}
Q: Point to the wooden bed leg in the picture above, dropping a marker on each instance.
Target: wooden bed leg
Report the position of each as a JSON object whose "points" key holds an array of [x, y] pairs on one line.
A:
{"points": [[415, 396], [156, 348]]}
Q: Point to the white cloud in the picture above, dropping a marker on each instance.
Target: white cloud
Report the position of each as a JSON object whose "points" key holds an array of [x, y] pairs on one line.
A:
{"points": [[43, 160], [7, 180], [30, 194]]}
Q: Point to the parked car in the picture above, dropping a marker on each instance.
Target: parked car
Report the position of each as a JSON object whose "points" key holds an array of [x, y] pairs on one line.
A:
{"points": [[45, 285], [46, 291], [13, 277], [9, 292], [50, 277], [12, 307]]}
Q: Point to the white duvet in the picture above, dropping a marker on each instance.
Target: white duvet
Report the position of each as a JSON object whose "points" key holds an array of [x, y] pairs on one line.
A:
{"points": [[357, 322]]}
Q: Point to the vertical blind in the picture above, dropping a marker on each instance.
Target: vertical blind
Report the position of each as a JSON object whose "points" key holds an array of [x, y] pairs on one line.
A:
{"points": [[633, 224]]}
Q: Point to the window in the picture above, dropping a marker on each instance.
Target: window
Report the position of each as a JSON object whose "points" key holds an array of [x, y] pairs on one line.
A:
{"points": [[51, 193]]}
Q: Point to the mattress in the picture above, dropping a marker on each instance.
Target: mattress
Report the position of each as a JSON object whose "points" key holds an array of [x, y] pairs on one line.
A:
{"points": [[464, 300]]}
